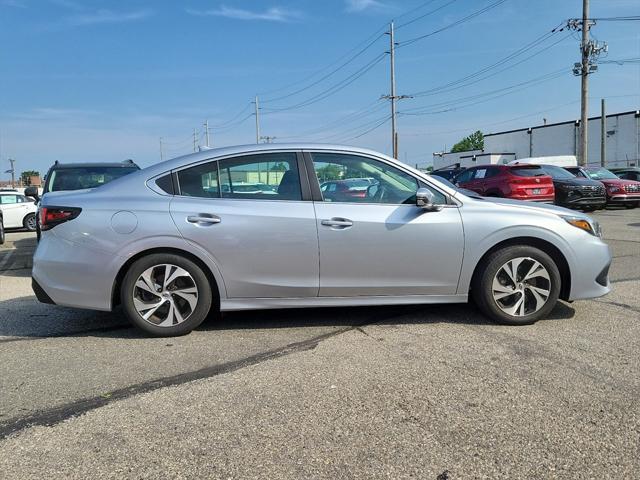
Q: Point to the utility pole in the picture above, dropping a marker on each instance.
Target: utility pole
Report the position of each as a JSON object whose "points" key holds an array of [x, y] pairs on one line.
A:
{"points": [[590, 50], [584, 88], [13, 172], [393, 97], [195, 140], [206, 132], [161, 153], [603, 134], [257, 114]]}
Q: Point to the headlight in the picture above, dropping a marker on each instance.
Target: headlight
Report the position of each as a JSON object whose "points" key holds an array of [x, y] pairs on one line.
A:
{"points": [[615, 188], [592, 227]]}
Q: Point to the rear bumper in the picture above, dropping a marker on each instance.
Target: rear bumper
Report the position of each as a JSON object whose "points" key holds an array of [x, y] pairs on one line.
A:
{"points": [[538, 198], [69, 274]]}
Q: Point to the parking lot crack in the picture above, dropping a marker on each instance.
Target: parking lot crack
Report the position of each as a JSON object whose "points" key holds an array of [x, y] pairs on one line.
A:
{"points": [[76, 408]]}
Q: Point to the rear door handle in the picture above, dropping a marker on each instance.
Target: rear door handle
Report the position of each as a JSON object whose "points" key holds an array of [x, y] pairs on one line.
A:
{"points": [[337, 222], [207, 219]]}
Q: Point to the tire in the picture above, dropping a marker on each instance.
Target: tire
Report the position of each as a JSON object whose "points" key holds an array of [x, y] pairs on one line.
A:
{"points": [[30, 223], [166, 306], [588, 209], [527, 260], [1, 231], [629, 206]]}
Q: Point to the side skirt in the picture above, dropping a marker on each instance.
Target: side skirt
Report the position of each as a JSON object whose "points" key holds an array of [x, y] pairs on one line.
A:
{"points": [[232, 304]]}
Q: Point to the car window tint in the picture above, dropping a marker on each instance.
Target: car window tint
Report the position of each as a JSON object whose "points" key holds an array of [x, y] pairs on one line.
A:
{"points": [[268, 176], [360, 179], [165, 183], [8, 199], [200, 181], [464, 176], [528, 172], [78, 178]]}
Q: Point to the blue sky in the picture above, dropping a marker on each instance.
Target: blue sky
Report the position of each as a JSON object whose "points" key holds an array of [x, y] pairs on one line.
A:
{"points": [[103, 80]]}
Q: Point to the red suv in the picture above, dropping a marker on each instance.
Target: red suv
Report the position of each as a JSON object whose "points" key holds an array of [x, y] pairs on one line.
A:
{"points": [[519, 182]]}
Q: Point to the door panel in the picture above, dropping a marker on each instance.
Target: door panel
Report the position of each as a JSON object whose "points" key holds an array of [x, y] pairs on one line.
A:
{"points": [[389, 250], [261, 233], [263, 248]]}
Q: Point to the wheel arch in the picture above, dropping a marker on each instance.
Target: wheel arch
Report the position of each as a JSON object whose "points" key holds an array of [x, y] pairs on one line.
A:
{"points": [[547, 247], [117, 283]]}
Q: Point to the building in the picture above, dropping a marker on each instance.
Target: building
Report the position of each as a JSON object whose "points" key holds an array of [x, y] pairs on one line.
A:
{"points": [[622, 143]]}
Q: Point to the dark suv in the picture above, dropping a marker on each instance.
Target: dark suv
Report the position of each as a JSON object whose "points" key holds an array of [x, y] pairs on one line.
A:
{"points": [[576, 192], [619, 191], [627, 173], [78, 176]]}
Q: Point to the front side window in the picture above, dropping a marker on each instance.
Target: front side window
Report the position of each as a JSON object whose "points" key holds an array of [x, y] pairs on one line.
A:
{"points": [[365, 180], [271, 176]]}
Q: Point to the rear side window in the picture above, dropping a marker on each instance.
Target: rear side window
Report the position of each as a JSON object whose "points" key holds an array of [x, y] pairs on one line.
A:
{"points": [[528, 172], [8, 199], [465, 176], [270, 176]]}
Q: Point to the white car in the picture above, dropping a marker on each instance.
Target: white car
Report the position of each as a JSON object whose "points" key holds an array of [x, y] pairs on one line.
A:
{"points": [[18, 211]]}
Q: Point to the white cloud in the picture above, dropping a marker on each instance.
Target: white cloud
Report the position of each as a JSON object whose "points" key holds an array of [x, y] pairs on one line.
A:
{"points": [[107, 16], [363, 5], [272, 14]]}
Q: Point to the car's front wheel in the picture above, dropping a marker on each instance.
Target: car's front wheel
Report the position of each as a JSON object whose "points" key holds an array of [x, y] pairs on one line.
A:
{"points": [[517, 285], [166, 295]]}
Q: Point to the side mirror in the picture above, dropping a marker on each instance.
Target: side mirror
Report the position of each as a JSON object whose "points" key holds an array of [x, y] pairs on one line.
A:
{"points": [[425, 199], [32, 192]]}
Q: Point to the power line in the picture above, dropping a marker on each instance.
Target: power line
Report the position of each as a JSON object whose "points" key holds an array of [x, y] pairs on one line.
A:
{"points": [[620, 61], [483, 97], [426, 14], [451, 25], [321, 79], [331, 90], [478, 74]]}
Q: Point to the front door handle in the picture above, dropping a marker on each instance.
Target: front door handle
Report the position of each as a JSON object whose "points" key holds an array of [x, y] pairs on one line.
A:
{"points": [[206, 219], [337, 222]]}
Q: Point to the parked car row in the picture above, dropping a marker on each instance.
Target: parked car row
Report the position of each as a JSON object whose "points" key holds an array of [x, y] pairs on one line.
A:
{"points": [[585, 188]]}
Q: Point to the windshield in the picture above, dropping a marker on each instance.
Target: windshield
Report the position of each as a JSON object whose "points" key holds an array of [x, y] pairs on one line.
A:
{"points": [[601, 174], [85, 177], [557, 172]]}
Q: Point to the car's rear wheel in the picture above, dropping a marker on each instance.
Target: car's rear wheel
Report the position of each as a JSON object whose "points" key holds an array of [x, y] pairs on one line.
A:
{"points": [[166, 295], [29, 222], [1, 231], [517, 285]]}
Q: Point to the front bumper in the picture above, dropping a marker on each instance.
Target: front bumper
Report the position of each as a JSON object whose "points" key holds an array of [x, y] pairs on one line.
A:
{"points": [[590, 275], [623, 198], [583, 201]]}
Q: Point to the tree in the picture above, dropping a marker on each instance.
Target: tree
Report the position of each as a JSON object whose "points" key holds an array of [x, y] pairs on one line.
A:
{"points": [[26, 176], [475, 141]]}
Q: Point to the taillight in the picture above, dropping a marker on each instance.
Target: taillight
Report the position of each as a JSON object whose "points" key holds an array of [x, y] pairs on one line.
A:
{"points": [[51, 216]]}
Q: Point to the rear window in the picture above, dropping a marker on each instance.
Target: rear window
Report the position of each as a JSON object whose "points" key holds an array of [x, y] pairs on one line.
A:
{"points": [[528, 171], [85, 177]]}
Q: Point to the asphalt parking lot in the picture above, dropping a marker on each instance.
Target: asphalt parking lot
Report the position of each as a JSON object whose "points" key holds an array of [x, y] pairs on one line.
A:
{"points": [[412, 392]]}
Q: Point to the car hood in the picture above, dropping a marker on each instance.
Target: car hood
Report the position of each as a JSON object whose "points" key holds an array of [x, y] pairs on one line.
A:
{"points": [[619, 181], [577, 182], [540, 207]]}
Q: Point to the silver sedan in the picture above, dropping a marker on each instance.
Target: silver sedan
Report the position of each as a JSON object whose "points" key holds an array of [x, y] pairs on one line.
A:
{"points": [[250, 228]]}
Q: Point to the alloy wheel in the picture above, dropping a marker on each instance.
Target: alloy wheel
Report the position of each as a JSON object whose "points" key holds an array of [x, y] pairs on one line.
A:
{"points": [[165, 295], [521, 286], [31, 223]]}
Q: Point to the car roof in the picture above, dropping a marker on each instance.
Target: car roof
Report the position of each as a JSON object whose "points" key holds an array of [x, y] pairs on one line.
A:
{"points": [[61, 166]]}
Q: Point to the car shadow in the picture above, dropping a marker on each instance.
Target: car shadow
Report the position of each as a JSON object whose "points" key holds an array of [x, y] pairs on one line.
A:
{"points": [[26, 318], [19, 260]]}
